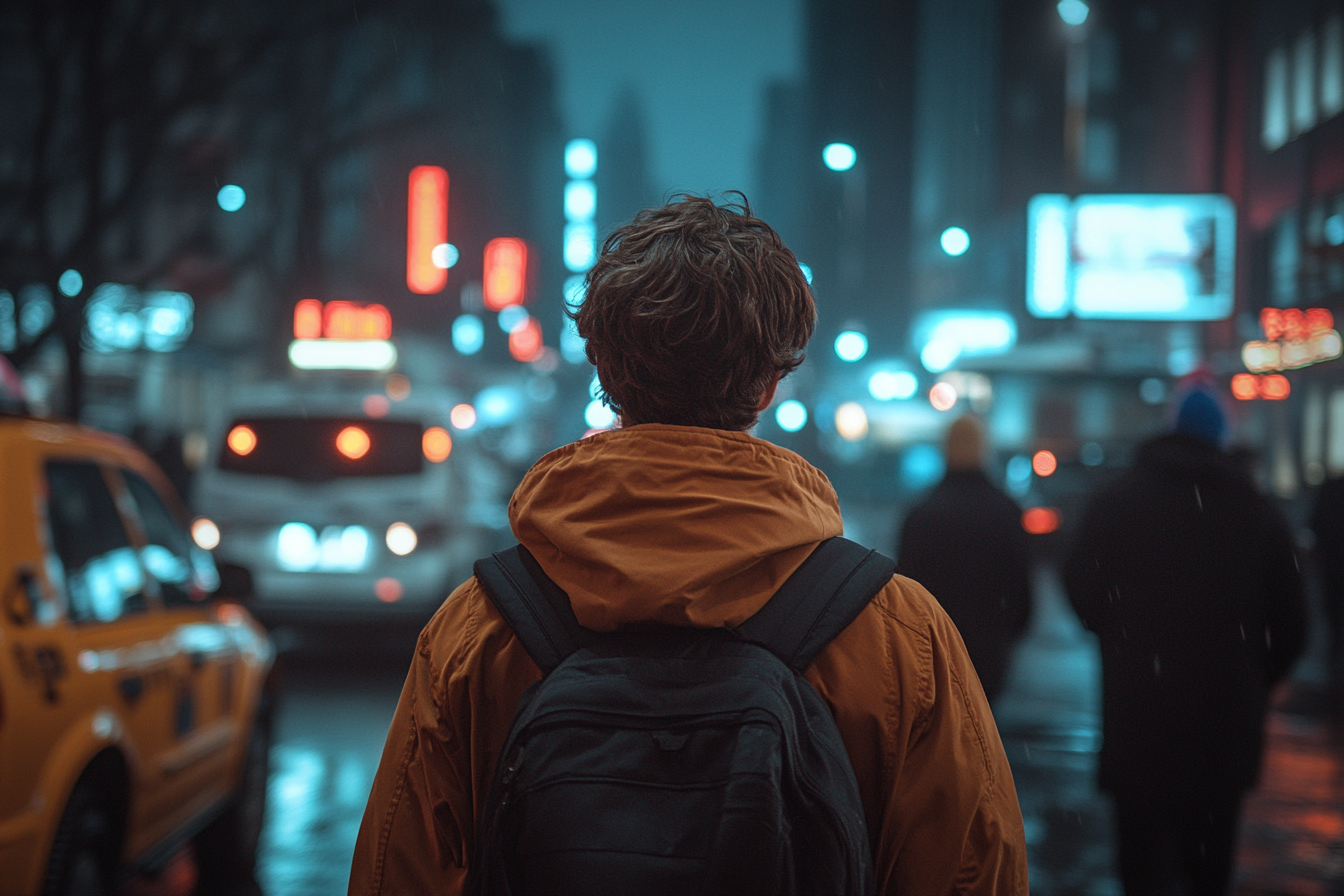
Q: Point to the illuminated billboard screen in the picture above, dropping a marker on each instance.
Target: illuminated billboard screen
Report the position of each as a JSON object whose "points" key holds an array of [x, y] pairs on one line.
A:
{"points": [[1139, 257]]}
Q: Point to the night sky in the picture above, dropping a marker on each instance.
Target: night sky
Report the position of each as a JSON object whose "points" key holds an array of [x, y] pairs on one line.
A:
{"points": [[699, 66]]}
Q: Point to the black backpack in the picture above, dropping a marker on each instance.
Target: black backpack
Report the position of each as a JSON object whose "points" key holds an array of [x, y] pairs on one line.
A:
{"points": [[677, 760]]}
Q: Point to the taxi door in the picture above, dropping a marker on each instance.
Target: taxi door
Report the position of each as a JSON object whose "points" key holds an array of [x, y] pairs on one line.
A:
{"points": [[206, 686]]}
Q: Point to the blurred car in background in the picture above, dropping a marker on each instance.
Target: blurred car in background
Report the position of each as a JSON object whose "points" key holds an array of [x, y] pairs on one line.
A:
{"points": [[134, 695], [345, 506]]}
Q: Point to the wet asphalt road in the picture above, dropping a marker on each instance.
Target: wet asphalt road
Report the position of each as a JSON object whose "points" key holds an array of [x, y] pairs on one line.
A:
{"points": [[339, 692], [341, 688]]}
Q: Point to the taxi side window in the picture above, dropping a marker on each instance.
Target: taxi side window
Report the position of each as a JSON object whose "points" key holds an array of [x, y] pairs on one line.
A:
{"points": [[167, 554], [102, 576]]}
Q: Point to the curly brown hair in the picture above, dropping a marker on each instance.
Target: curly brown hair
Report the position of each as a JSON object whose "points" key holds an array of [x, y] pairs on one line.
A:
{"points": [[693, 310]]}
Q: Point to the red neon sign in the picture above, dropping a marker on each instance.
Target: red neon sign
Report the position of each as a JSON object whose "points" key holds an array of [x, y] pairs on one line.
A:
{"points": [[1271, 387], [426, 227], [308, 319], [341, 320], [505, 272]]}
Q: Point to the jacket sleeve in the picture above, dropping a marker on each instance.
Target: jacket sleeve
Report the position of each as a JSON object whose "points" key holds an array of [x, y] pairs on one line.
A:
{"points": [[938, 793], [419, 828]]}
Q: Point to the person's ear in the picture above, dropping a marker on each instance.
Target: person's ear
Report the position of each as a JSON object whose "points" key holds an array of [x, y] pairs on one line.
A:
{"points": [[769, 394]]}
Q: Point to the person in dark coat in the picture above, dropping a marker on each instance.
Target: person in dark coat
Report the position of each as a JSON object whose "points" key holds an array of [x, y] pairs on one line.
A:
{"points": [[1188, 577], [965, 544], [1327, 522]]}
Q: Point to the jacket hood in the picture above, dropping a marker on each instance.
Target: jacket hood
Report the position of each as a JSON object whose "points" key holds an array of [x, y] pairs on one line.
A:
{"points": [[1183, 454], [671, 524]]}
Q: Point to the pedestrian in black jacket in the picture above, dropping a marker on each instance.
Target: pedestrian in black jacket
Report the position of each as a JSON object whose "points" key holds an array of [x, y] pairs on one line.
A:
{"points": [[1188, 577], [965, 543]]}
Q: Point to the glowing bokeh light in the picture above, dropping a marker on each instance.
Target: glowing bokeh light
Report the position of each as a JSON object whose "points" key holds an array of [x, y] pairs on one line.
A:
{"points": [[444, 256], [886, 385], [388, 590], [513, 317], [851, 421], [598, 416], [580, 158], [839, 156], [231, 197], [1073, 12], [955, 241], [353, 442], [70, 283], [1275, 387], [401, 539], [791, 415], [436, 444], [505, 272], [943, 396], [462, 416], [205, 533], [242, 440], [468, 334], [525, 342], [1245, 387], [376, 405], [1040, 520], [1043, 463], [851, 345], [426, 228], [398, 387]]}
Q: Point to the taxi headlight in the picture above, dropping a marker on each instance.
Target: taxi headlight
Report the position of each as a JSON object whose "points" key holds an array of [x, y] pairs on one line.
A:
{"points": [[401, 539]]}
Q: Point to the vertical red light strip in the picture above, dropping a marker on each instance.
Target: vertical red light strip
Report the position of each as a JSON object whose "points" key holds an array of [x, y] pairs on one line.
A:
{"points": [[505, 272], [426, 227]]}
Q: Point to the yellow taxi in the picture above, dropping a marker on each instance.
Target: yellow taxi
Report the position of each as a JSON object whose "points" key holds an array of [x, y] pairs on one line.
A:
{"points": [[134, 688]]}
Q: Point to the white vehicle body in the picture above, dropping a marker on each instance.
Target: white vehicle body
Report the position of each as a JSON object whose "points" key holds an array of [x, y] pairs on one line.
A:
{"points": [[314, 531]]}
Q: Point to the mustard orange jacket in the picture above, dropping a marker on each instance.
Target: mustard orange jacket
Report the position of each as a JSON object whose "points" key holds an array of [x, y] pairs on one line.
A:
{"points": [[699, 527]]}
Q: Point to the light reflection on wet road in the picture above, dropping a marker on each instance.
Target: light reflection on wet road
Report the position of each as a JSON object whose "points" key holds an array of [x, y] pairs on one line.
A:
{"points": [[338, 699]]}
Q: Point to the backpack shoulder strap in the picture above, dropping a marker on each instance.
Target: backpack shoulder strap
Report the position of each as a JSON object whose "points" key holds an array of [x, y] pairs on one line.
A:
{"points": [[535, 608], [819, 601]]}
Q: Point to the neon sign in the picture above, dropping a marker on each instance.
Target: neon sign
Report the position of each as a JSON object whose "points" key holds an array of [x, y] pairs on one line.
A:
{"points": [[1293, 339], [426, 228], [341, 336]]}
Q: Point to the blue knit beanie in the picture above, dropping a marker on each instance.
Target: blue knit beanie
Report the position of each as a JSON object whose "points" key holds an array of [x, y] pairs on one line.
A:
{"points": [[1201, 416]]}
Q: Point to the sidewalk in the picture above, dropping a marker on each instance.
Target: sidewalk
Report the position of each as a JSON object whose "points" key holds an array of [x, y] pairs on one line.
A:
{"points": [[1292, 838]]}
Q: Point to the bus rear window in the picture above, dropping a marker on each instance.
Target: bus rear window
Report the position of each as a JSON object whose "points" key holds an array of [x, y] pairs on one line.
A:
{"points": [[320, 448]]}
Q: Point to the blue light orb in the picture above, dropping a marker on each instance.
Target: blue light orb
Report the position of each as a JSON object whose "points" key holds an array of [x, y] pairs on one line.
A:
{"points": [[921, 466], [839, 156], [1073, 12], [580, 158], [468, 334], [886, 385], [444, 256], [231, 197], [851, 345], [955, 241], [791, 415], [71, 283], [598, 416], [513, 318]]}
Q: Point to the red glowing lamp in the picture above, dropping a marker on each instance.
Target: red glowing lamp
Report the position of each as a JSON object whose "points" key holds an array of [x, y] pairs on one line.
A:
{"points": [[1040, 520], [426, 227], [505, 281], [525, 342], [341, 320]]}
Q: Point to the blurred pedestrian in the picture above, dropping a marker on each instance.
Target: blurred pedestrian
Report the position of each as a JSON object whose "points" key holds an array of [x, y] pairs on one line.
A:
{"points": [[1327, 522], [679, 520], [1188, 577], [965, 543]]}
